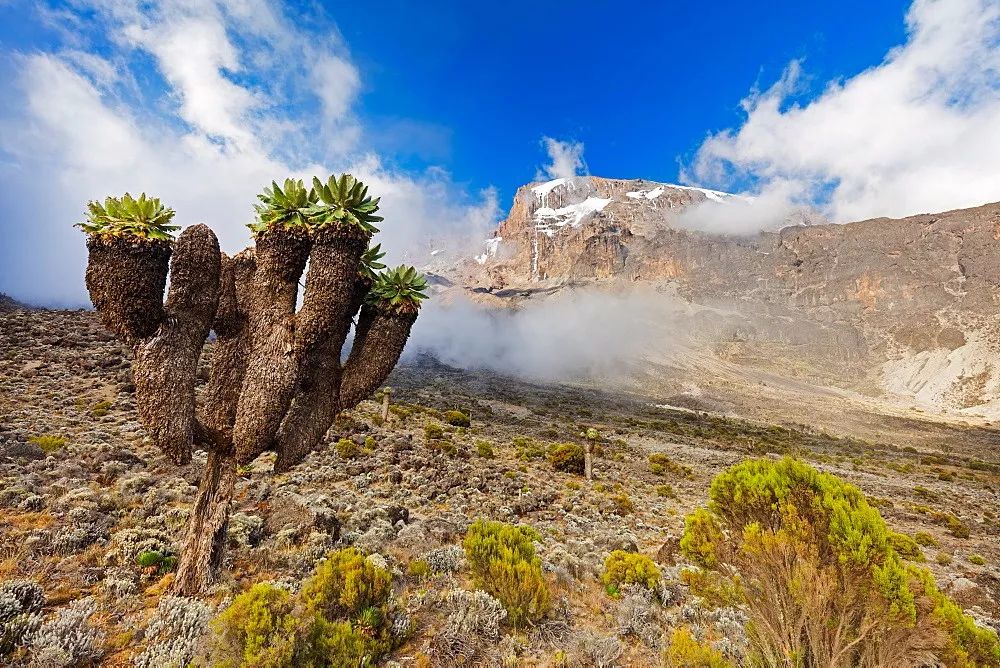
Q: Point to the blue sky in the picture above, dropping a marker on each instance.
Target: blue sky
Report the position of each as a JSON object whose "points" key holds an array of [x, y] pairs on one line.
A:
{"points": [[857, 109], [640, 84]]}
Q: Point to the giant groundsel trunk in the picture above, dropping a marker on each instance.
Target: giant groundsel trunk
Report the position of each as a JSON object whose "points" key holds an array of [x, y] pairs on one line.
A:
{"points": [[276, 382]]}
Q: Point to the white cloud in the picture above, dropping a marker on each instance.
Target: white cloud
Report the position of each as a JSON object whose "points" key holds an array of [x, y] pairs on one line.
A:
{"points": [[249, 98], [565, 160], [920, 132]]}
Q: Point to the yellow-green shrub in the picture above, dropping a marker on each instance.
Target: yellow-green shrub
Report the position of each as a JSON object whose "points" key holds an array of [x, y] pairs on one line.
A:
{"points": [[341, 617], [567, 457], [345, 585], [792, 544], [347, 449], [47, 442], [661, 464], [906, 547], [503, 563], [457, 418], [686, 652], [622, 568], [257, 629]]}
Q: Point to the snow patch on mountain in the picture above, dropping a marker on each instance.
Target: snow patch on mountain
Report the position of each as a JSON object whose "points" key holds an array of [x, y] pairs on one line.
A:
{"points": [[549, 220]]}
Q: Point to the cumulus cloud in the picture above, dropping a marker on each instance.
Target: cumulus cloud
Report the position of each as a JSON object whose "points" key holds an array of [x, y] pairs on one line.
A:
{"points": [[919, 132], [202, 104], [565, 160]]}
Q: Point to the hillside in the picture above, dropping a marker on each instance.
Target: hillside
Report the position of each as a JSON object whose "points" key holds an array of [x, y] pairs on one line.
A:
{"points": [[83, 493]]}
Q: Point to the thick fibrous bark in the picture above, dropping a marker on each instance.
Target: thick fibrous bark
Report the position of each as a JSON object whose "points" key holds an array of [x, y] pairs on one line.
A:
{"points": [[382, 334], [232, 345], [270, 381], [166, 365], [331, 296], [317, 400], [126, 278], [204, 546]]}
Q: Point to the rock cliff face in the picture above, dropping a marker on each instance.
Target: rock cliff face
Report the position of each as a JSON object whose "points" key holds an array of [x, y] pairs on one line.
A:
{"points": [[913, 299]]}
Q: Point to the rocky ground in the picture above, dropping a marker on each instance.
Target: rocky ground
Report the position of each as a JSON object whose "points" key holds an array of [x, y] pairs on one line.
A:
{"points": [[82, 492]]}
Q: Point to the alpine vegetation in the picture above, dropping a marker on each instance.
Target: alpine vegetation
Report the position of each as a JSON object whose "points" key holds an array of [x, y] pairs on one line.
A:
{"points": [[277, 381]]}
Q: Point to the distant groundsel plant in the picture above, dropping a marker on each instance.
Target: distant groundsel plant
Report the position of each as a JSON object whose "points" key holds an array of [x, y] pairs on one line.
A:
{"points": [[816, 569], [277, 381]]}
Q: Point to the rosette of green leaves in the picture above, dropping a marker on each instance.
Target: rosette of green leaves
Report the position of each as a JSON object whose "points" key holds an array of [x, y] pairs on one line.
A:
{"points": [[370, 262], [401, 288], [343, 201], [283, 208], [143, 217]]}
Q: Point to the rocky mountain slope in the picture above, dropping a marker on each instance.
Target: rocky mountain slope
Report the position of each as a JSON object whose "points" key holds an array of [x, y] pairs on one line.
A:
{"points": [[83, 492], [903, 308]]}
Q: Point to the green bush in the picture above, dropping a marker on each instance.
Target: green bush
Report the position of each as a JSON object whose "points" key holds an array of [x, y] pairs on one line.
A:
{"points": [[567, 457], [503, 563], [977, 559], [661, 464], [955, 526], [48, 443], [686, 652], [148, 559], [257, 629], [348, 449], [622, 504], [484, 449], [432, 430], [457, 419], [906, 547], [341, 617], [925, 539], [772, 526], [527, 448], [621, 568], [666, 491]]}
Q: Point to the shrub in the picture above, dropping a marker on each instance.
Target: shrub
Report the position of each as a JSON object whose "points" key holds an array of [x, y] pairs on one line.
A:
{"points": [[484, 449], [622, 568], [20, 602], [666, 491], [955, 526], [100, 409], [418, 568], [622, 504], [348, 449], [528, 448], [686, 652], [457, 419], [341, 617], [432, 430], [567, 457], [906, 547], [503, 564], [943, 558], [173, 633], [925, 539], [661, 464], [148, 559], [799, 549], [472, 625], [257, 629], [977, 559], [48, 443], [68, 638]]}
